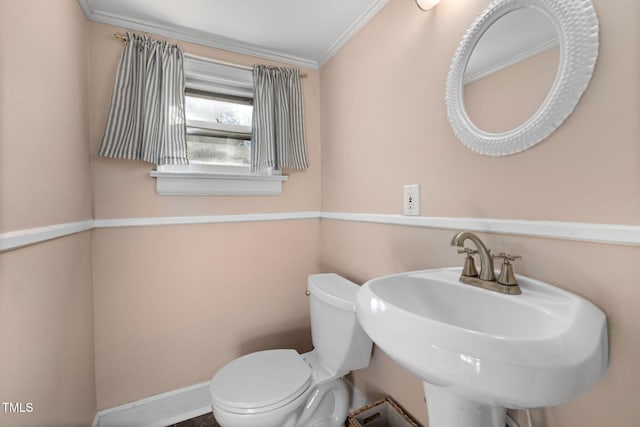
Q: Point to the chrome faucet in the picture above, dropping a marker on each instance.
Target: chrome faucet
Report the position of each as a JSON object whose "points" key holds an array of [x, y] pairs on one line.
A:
{"points": [[506, 283]]}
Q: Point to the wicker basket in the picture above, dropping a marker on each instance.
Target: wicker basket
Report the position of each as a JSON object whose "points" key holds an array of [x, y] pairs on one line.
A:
{"points": [[383, 413]]}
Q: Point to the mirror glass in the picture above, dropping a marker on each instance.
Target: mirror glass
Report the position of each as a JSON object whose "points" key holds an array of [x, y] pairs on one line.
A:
{"points": [[511, 70]]}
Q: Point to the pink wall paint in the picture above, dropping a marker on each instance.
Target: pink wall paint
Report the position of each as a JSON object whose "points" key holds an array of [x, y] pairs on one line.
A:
{"points": [[44, 169], [46, 307], [173, 304], [384, 124], [46, 324]]}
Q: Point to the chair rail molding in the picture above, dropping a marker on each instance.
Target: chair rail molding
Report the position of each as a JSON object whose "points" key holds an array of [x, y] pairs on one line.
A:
{"points": [[614, 234], [19, 238], [617, 234]]}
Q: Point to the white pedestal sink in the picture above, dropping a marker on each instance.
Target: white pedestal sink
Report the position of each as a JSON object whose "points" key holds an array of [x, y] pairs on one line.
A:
{"points": [[479, 352]]}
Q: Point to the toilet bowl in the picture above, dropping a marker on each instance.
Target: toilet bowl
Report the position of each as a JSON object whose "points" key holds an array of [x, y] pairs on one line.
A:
{"points": [[282, 388]]}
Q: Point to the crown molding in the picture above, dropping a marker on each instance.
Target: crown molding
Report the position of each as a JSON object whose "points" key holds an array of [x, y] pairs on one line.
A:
{"points": [[357, 25], [193, 36], [224, 43], [86, 7]]}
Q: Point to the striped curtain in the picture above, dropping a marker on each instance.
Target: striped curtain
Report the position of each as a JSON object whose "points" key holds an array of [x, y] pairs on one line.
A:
{"points": [[277, 139], [146, 119]]}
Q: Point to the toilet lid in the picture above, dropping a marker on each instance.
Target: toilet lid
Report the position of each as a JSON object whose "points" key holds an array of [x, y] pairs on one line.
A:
{"points": [[260, 381]]}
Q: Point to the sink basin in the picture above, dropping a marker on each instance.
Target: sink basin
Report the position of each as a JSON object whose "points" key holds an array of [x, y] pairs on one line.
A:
{"points": [[486, 349]]}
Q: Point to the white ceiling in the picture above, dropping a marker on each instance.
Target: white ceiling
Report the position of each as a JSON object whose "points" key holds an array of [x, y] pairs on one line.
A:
{"points": [[299, 32]]}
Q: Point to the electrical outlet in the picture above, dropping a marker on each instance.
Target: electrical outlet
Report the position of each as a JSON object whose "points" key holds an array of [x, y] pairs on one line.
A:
{"points": [[411, 199]]}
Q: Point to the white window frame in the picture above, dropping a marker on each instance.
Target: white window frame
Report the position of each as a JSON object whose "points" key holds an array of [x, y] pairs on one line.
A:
{"points": [[198, 179]]}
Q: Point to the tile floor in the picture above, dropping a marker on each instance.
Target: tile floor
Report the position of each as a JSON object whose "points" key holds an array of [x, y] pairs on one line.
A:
{"points": [[205, 420]]}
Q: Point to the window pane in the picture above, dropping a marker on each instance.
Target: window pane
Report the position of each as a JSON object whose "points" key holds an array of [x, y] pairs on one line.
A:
{"points": [[217, 110], [218, 150]]}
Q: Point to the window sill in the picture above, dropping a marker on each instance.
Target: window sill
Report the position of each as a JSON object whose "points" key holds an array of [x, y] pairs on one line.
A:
{"points": [[198, 183]]}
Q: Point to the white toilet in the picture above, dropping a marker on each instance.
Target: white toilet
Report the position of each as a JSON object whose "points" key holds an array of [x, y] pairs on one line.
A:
{"points": [[281, 388]]}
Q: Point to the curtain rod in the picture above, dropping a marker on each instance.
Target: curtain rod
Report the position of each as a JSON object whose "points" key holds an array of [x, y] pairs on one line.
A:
{"points": [[217, 61]]}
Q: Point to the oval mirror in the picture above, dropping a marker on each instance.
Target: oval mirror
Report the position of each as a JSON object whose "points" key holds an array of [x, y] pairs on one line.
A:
{"points": [[519, 72]]}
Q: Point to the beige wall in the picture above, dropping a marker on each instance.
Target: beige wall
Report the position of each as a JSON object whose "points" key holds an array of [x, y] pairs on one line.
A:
{"points": [[173, 304], [46, 307], [44, 170], [384, 124], [46, 324]]}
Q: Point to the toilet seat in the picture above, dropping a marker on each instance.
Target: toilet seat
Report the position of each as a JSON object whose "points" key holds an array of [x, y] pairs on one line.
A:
{"points": [[260, 382]]}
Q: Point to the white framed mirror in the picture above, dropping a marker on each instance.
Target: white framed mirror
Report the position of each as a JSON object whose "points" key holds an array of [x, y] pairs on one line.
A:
{"points": [[519, 72]]}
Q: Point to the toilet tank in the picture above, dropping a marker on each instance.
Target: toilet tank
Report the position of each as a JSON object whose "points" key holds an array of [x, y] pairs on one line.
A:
{"points": [[338, 338]]}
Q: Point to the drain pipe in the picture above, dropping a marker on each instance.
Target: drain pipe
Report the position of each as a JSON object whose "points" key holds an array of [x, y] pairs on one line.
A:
{"points": [[511, 422]]}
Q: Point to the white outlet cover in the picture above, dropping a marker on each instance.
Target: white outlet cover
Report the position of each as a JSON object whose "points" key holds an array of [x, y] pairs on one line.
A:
{"points": [[411, 199]]}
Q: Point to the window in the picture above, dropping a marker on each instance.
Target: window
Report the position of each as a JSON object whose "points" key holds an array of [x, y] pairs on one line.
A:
{"points": [[218, 129], [218, 110]]}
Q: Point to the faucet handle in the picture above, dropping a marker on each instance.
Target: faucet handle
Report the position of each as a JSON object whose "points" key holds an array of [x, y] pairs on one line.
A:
{"points": [[469, 268], [506, 272], [507, 257], [467, 251]]}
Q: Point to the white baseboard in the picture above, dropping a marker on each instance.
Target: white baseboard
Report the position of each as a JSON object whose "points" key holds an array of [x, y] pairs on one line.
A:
{"points": [[174, 406], [160, 410]]}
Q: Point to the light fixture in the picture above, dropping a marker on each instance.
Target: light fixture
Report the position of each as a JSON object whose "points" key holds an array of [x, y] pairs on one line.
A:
{"points": [[427, 4]]}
